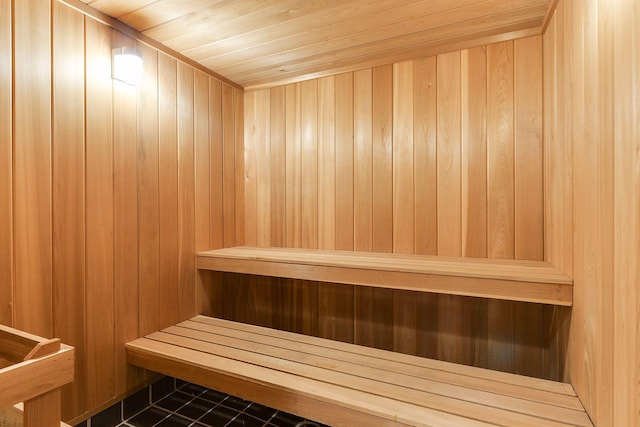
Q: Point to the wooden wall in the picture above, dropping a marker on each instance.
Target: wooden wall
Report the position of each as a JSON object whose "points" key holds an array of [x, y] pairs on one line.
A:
{"points": [[106, 190], [441, 155], [592, 212]]}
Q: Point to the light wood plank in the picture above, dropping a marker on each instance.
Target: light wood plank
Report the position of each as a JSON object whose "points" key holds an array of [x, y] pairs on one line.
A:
{"points": [[168, 188], [262, 154], [425, 156], [293, 167], [474, 152], [502, 280], [69, 200], [32, 164], [344, 162], [528, 219], [238, 118], [403, 162], [6, 165], [202, 172], [278, 156], [362, 160], [100, 302], [216, 219], [309, 163], [382, 147], [148, 250], [252, 143], [186, 192], [229, 166], [282, 360], [448, 155], [326, 163], [128, 274]]}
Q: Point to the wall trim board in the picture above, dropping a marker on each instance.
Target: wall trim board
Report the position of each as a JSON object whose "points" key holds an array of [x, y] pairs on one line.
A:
{"points": [[550, 13], [123, 28]]}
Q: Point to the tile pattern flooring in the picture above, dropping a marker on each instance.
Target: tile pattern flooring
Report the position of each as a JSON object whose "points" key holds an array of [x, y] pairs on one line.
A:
{"points": [[174, 403]]}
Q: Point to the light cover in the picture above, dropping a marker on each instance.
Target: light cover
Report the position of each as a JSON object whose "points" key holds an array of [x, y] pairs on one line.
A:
{"points": [[127, 65]]}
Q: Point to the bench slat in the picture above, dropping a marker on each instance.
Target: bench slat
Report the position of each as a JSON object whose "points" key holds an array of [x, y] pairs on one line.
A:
{"points": [[404, 359], [375, 366], [452, 399], [355, 379], [529, 281], [283, 391]]}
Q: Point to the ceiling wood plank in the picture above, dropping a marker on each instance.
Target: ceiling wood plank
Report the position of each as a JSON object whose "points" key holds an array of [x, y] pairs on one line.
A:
{"points": [[257, 43]]}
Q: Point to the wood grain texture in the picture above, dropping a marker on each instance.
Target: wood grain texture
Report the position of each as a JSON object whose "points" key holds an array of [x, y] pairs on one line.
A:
{"points": [[32, 163], [6, 166], [332, 372], [202, 192], [168, 188], [116, 191], [148, 199], [126, 261], [382, 147], [448, 155], [299, 40], [422, 89], [591, 180], [186, 192], [99, 217], [403, 163], [68, 161]]}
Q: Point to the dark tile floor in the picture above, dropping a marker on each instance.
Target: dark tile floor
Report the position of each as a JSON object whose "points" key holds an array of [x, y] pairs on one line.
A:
{"points": [[174, 403]]}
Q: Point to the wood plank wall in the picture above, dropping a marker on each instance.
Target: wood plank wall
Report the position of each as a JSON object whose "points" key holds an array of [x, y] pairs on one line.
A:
{"points": [[106, 190], [441, 155], [592, 209]]}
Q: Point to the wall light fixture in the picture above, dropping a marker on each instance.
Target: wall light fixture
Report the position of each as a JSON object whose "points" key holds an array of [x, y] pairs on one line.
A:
{"points": [[126, 65]]}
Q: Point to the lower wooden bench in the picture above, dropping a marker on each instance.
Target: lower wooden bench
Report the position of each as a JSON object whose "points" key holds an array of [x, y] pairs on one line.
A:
{"points": [[348, 385]]}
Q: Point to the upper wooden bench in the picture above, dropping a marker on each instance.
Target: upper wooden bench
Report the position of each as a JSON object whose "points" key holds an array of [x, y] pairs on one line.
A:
{"points": [[529, 281], [346, 385]]}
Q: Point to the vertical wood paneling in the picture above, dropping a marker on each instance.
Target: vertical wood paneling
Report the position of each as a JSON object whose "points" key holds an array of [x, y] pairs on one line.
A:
{"points": [[148, 194], [448, 155], [309, 163], [238, 123], [168, 189], [500, 195], [6, 166], [528, 216], [277, 156], [382, 148], [68, 195], [229, 166], [262, 165], [411, 149], [202, 183], [251, 184], [344, 161], [216, 217], [362, 160], [500, 159], [474, 152], [293, 167], [326, 163], [528, 219], [591, 196], [32, 167], [403, 240], [126, 255], [99, 216], [425, 106], [186, 192], [98, 191]]}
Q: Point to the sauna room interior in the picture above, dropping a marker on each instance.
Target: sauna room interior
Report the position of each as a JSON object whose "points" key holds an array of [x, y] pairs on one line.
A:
{"points": [[451, 187]]}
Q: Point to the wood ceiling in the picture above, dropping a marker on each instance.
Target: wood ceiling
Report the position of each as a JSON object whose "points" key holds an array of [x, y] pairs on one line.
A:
{"points": [[258, 43]]}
